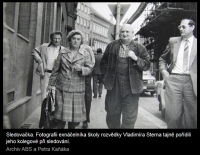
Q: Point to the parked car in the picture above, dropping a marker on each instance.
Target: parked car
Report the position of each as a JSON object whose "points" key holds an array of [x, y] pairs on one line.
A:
{"points": [[148, 82], [160, 94]]}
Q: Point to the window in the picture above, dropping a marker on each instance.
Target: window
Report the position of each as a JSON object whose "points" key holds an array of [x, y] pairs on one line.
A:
{"points": [[24, 19], [82, 7], [94, 26], [95, 44], [85, 22], [81, 20], [86, 9], [11, 96], [88, 24], [58, 18], [79, 7], [77, 20], [97, 29], [106, 32], [83, 35], [100, 30], [87, 38], [10, 14]]}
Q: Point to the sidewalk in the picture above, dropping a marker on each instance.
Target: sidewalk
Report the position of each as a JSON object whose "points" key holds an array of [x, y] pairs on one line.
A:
{"points": [[145, 120]]}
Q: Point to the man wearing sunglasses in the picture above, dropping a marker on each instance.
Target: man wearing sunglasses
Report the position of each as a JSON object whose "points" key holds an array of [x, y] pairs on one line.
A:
{"points": [[178, 65]]}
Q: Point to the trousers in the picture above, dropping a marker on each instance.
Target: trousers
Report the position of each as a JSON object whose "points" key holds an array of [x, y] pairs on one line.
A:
{"points": [[180, 102], [97, 84], [120, 101]]}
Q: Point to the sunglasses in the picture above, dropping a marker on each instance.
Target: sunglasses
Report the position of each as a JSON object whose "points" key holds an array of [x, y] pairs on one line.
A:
{"points": [[182, 26]]}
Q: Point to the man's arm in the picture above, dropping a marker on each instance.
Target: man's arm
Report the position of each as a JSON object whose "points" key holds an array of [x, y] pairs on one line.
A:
{"points": [[163, 61], [37, 55], [142, 60], [104, 61], [91, 53]]}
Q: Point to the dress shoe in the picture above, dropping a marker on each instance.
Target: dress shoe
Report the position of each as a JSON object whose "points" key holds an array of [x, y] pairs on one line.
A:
{"points": [[85, 125], [99, 95], [94, 96]]}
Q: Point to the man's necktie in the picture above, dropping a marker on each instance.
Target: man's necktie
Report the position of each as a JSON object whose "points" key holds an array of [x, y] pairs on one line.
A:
{"points": [[185, 57]]}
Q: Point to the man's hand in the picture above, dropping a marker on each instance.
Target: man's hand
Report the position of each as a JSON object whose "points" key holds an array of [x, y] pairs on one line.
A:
{"points": [[132, 55], [77, 68], [165, 74], [49, 88], [102, 78]]}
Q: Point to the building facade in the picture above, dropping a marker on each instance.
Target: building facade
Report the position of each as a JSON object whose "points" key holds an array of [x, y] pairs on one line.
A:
{"points": [[26, 26], [93, 25], [161, 23], [83, 21], [99, 31]]}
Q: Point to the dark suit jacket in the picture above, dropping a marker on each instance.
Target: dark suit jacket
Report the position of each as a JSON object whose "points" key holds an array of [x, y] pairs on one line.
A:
{"points": [[169, 57], [110, 59]]}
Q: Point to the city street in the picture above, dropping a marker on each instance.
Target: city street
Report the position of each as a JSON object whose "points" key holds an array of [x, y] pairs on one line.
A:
{"points": [[149, 116]]}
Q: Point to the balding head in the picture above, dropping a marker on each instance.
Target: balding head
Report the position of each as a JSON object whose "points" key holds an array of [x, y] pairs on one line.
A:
{"points": [[127, 26], [126, 33]]}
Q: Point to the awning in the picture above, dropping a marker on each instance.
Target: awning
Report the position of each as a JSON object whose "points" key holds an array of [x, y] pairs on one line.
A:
{"points": [[166, 16]]}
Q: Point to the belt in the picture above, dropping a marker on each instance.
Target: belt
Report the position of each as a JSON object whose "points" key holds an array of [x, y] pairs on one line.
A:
{"points": [[48, 71], [180, 74]]}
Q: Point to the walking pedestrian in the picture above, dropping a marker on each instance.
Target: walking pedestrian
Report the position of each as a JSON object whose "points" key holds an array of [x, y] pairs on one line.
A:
{"points": [[96, 74], [122, 66], [68, 76], [45, 55], [178, 65]]}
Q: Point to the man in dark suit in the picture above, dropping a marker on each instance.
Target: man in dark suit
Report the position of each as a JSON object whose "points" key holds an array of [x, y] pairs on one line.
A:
{"points": [[97, 80], [122, 66], [178, 65]]}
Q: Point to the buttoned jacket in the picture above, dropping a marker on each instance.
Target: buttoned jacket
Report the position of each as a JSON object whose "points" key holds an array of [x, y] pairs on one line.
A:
{"points": [[64, 76], [110, 60]]}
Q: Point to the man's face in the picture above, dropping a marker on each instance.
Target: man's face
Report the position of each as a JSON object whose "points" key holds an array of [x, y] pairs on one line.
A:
{"points": [[76, 40], [185, 29], [56, 39], [126, 32]]}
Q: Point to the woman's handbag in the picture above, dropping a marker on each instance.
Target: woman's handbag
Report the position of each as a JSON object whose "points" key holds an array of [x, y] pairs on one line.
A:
{"points": [[46, 118]]}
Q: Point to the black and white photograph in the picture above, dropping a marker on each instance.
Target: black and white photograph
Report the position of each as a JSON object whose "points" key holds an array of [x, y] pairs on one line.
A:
{"points": [[100, 65]]}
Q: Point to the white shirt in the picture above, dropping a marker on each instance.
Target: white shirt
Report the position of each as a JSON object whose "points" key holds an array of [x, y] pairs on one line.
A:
{"points": [[52, 55], [178, 67]]}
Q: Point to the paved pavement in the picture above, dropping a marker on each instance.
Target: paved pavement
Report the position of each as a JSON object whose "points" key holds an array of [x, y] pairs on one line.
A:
{"points": [[145, 120]]}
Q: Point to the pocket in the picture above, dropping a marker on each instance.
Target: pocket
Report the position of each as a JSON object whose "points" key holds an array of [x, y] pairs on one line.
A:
{"points": [[40, 70]]}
